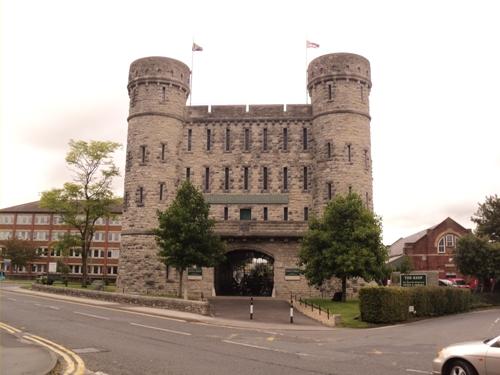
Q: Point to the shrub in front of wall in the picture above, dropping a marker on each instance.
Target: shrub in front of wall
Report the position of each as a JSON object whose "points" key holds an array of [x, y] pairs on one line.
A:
{"points": [[383, 304]]}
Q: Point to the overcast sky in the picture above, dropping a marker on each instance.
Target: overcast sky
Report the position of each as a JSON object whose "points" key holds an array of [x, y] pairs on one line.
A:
{"points": [[434, 103]]}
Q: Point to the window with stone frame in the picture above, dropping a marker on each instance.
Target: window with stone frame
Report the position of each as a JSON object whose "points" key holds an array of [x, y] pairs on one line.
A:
{"points": [[264, 139], [246, 178], [227, 140], [209, 140], [162, 193], [349, 153], [448, 240], [305, 139], [305, 178], [189, 139], [140, 196], [285, 139], [163, 152], [264, 178], [206, 184], [285, 178], [246, 139], [226, 179], [143, 154]]}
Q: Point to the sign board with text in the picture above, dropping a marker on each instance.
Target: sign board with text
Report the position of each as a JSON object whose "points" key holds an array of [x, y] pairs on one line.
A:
{"points": [[413, 280]]}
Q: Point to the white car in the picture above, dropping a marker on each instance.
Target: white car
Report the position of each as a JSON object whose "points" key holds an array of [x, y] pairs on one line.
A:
{"points": [[469, 358]]}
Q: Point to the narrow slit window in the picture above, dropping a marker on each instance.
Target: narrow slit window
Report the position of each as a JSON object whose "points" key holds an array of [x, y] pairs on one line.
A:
{"points": [[163, 151], [209, 139], [141, 195], [329, 91], [265, 213], [285, 213], [264, 178], [285, 139], [329, 190], [143, 154], [329, 150], [226, 213], [190, 138], [304, 138], [228, 139], [163, 93], [162, 191], [247, 140], [305, 178], [285, 178], [306, 213], [349, 153], [207, 178], [226, 178], [245, 178], [350, 189], [188, 173], [264, 139]]}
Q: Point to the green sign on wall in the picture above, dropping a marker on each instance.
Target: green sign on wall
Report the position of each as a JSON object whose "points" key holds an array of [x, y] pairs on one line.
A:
{"points": [[413, 280]]}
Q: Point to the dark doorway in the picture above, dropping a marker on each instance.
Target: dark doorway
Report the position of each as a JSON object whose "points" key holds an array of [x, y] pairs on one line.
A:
{"points": [[245, 273]]}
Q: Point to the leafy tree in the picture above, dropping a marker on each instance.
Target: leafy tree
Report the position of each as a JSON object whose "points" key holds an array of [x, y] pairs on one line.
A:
{"points": [[487, 218], [476, 256], [346, 242], [63, 246], [89, 197], [185, 233], [20, 252]]}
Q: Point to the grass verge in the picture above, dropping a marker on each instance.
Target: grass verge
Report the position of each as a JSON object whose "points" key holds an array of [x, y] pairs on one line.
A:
{"points": [[349, 311]]}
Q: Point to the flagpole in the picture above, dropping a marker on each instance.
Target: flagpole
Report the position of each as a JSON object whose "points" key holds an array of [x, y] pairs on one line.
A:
{"points": [[191, 80], [307, 94]]}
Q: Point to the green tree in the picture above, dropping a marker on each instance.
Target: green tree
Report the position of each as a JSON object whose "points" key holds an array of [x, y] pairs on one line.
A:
{"points": [[475, 256], [63, 246], [487, 218], [89, 196], [20, 252], [185, 233], [345, 242]]}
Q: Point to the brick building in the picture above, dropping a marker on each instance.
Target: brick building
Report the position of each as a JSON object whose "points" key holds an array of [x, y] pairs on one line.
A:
{"points": [[263, 168], [31, 222], [431, 249]]}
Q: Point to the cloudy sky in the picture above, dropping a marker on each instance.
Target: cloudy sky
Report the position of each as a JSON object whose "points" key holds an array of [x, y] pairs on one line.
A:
{"points": [[434, 103]]}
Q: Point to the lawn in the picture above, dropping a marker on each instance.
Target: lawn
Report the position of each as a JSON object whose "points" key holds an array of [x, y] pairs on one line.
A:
{"points": [[348, 310]]}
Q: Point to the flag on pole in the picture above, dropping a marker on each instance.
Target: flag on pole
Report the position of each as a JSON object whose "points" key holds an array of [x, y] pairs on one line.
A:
{"points": [[196, 47], [311, 44]]}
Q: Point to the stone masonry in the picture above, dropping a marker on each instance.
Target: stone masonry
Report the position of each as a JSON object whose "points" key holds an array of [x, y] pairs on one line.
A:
{"points": [[278, 164]]}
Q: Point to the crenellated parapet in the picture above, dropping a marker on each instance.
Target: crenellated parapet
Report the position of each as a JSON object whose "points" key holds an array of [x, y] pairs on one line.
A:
{"points": [[248, 113]]}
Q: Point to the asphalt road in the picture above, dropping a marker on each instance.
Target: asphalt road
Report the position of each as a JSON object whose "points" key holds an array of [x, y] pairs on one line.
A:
{"points": [[120, 342]]}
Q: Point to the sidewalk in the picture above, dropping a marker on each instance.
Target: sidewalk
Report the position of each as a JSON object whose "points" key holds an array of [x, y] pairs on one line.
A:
{"points": [[238, 319], [21, 357]]}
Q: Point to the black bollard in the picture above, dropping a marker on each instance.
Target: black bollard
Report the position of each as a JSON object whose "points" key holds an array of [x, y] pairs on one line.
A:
{"points": [[251, 308]]}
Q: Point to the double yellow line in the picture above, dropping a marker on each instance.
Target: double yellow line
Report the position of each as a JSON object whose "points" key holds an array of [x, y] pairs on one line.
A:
{"points": [[74, 364]]}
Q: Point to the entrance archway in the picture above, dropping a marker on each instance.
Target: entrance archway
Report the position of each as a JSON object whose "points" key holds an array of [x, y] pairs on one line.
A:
{"points": [[245, 273]]}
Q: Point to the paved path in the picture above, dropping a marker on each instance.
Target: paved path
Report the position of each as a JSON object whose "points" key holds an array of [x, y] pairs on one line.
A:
{"points": [[266, 310]]}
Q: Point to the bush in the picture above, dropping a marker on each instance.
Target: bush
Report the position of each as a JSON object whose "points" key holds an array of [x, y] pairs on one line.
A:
{"points": [[383, 305], [389, 305]]}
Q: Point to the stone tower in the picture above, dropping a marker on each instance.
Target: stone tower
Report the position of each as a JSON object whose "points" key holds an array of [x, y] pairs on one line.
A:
{"points": [[158, 88], [339, 86], [263, 168]]}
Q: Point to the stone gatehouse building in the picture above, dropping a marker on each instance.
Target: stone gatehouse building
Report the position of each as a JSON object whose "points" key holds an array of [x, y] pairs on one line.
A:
{"points": [[265, 169]]}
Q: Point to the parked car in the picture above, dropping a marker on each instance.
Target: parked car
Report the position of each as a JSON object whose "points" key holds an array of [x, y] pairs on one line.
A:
{"points": [[469, 358], [445, 282], [459, 283]]}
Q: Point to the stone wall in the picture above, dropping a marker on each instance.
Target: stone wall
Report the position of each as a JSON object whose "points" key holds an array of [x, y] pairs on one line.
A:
{"points": [[196, 307]]}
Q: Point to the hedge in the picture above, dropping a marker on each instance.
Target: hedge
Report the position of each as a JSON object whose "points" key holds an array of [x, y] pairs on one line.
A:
{"points": [[391, 304]]}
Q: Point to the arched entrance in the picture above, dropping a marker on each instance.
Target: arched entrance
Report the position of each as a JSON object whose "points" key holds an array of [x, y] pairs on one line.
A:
{"points": [[245, 273]]}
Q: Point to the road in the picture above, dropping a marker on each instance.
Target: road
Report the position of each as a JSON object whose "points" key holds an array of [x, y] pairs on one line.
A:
{"points": [[113, 341]]}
